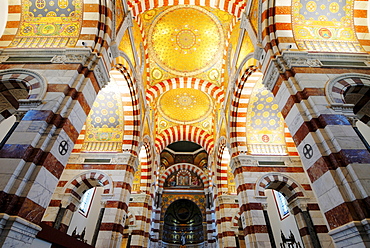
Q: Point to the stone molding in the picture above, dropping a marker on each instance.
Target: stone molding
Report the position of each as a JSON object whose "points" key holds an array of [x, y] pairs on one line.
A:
{"points": [[290, 59], [82, 56], [120, 158]]}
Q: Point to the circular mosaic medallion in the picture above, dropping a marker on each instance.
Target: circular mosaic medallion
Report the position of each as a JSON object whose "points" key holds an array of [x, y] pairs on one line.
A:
{"points": [[185, 39], [185, 105], [191, 35], [325, 33]]}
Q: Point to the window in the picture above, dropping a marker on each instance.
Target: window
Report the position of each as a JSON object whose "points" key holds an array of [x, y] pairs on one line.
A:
{"points": [[281, 204], [86, 202]]}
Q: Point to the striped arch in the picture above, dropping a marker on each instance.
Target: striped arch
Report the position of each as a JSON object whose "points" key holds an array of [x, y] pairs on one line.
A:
{"points": [[234, 7], [220, 150], [146, 166], [238, 111], [18, 85], [78, 185], [360, 14], [211, 89], [277, 33], [35, 83], [221, 168], [282, 183], [184, 133], [183, 166], [336, 87], [131, 108]]}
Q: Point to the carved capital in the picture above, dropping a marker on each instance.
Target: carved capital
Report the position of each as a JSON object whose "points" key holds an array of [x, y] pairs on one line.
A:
{"points": [[271, 76]]}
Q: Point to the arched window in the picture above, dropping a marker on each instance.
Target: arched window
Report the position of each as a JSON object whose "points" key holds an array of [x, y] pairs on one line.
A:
{"points": [[86, 201]]}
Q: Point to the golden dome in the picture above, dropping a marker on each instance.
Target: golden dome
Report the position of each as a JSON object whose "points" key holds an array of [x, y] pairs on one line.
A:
{"points": [[186, 40], [185, 105]]}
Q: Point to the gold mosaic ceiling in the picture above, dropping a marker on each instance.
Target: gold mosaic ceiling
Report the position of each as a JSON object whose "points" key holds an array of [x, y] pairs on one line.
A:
{"points": [[185, 106], [186, 40]]}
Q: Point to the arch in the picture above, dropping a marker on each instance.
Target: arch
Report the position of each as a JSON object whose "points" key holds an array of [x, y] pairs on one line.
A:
{"points": [[235, 8], [279, 182], [237, 112], [124, 56], [275, 31], [20, 87], [86, 180], [144, 175], [211, 89], [221, 147], [183, 166], [335, 88], [186, 133], [361, 10], [36, 83], [132, 118]]}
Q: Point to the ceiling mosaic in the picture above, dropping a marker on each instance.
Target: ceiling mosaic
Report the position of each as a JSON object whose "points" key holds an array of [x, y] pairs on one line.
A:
{"points": [[104, 124], [265, 124], [185, 106], [193, 35], [324, 25], [246, 47], [46, 23], [119, 15], [253, 15], [125, 44]]}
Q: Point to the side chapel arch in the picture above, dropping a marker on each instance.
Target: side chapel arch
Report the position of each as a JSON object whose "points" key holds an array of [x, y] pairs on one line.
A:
{"points": [[183, 166], [280, 182]]}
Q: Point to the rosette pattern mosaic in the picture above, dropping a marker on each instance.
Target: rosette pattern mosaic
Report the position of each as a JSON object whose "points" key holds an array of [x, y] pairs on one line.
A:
{"points": [[188, 34], [45, 23], [104, 124], [185, 106], [324, 25], [265, 124]]}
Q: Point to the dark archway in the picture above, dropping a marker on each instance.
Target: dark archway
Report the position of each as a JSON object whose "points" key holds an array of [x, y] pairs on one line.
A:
{"points": [[183, 223]]}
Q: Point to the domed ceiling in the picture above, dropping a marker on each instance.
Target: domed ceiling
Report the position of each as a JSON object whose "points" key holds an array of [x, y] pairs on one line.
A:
{"points": [[186, 41], [191, 35], [185, 106]]}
